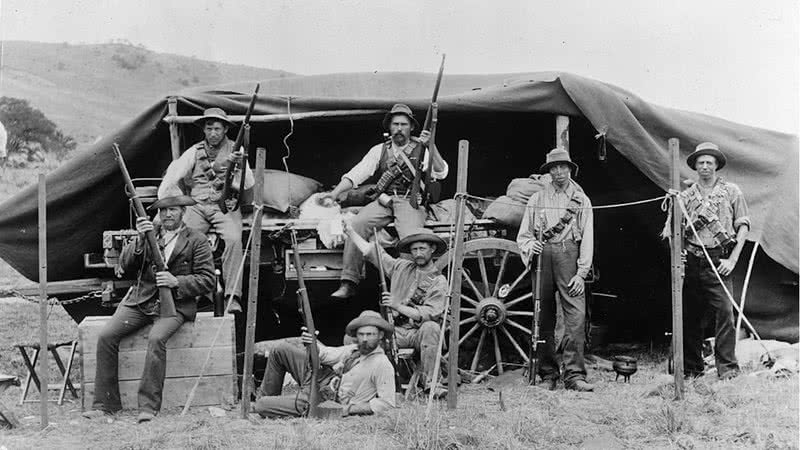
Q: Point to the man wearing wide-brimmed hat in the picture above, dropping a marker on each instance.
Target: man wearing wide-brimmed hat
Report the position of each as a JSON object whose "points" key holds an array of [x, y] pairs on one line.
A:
{"points": [[201, 168], [719, 213], [558, 225], [355, 379], [418, 292], [395, 163], [190, 273]]}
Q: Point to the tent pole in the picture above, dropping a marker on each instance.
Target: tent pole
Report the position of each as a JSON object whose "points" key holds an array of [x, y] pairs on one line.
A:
{"points": [[44, 366], [174, 136], [677, 274], [252, 290], [458, 260], [562, 132]]}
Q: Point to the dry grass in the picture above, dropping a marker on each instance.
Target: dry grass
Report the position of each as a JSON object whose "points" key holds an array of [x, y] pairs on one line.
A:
{"points": [[747, 412]]}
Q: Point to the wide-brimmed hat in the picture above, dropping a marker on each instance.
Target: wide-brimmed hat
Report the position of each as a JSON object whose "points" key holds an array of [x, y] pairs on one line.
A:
{"points": [[707, 148], [368, 318], [423, 235], [172, 197], [213, 114], [558, 156], [399, 109]]}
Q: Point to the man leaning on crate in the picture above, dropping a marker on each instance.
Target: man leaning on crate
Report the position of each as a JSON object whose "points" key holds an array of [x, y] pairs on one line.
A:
{"points": [[190, 274]]}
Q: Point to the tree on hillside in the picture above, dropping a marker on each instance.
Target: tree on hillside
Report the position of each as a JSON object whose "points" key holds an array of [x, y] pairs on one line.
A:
{"points": [[30, 131]]}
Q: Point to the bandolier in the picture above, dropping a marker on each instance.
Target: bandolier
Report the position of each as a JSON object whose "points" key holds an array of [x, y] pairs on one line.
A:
{"points": [[207, 179]]}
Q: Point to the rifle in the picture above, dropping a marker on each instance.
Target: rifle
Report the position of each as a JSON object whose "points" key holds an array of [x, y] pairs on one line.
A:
{"points": [[385, 312], [305, 311], [431, 120], [533, 359], [230, 171], [167, 307]]}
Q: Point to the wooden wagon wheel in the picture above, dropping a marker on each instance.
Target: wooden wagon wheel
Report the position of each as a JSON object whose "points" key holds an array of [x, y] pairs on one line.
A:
{"points": [[496, 305]]}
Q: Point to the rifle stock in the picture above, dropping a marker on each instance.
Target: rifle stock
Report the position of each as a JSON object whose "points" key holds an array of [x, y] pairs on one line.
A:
{"points": [[430, 125], [230, 172], [167, 307], [308, 320]]}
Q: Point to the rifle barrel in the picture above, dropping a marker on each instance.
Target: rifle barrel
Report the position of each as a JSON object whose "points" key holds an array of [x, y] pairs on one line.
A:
{"points": [[308, 319]]}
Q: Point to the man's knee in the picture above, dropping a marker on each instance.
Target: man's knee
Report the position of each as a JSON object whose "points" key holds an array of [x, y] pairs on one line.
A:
{"points": [[428, 333]]}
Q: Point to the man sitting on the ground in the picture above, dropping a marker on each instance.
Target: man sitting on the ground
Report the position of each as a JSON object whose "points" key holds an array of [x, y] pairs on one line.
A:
{"points": [[359, 377], [190, 274]]}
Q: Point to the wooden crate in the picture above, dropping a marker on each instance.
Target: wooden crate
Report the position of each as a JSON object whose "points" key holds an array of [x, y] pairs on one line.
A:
{"points": [[187, 350]]}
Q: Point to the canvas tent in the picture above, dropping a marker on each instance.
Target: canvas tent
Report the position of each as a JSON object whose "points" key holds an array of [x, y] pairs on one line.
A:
{"points": [[508, 120]]}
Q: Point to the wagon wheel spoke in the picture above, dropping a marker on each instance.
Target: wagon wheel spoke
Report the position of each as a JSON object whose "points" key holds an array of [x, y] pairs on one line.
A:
{"points": [[500, 274], [469, 300], [468, 320], [519, 279], [518, 326], [497, 355], [511, 303], [471, 284], [477, 356], [469, 310], [514, 343], [469, 333], [519, 313], [484, 276]]}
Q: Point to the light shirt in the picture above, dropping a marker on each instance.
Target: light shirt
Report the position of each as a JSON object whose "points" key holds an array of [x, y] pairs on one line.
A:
{"points": [[183, 166], [370, 162], [731, 210], [170, 238], [370, 378], [3, 141], [545, 209]]}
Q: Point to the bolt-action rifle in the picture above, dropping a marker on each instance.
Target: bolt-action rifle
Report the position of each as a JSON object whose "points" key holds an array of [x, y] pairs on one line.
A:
{"points": [[308, 320], [386, 312], [431, 120], [167, 307], [533, 355], [232, 169]]}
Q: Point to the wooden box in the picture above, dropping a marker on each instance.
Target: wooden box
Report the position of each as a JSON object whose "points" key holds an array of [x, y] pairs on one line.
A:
{"points": [[187, 351]]}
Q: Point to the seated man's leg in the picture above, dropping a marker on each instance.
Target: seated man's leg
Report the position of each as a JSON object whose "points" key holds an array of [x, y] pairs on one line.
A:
{"points": [[155, 362], [371, 216], [229, 227], [195, 218], [284, 357], [126, 320], [406, 218], [426, 342]]}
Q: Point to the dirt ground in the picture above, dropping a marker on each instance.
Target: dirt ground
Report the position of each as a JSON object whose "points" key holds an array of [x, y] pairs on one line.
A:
{"points": [[746, 412]]}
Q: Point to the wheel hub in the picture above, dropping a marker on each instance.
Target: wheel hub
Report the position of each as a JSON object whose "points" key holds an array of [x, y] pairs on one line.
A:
{"points": [[491, 312]]}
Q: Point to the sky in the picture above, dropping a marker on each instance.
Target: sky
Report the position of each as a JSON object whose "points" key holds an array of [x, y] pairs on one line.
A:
{"points": [[735, 59]]}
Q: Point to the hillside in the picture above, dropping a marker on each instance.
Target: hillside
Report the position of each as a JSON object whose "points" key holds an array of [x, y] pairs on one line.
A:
{"points": [[89, 90]]}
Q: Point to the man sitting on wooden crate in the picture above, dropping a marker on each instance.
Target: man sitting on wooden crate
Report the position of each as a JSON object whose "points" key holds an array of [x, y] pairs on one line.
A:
{"points": [[364, 374], [191, 273]]}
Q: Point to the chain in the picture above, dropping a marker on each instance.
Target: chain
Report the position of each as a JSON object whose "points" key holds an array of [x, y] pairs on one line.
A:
{"points": [[52, 301]]}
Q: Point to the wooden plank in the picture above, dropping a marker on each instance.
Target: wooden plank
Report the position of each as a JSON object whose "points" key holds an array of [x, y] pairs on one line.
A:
{"points": [[677, 273], [181, 362], [174, 136], [562, 132], [199, 333], [215, 390], [80, 286], [44, 365], [284, 117]]}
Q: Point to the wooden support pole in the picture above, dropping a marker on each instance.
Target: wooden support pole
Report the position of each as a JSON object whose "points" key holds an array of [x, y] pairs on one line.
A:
{"points": [[44, 367], [285, 117], [562, 132], [457, 261], [252, 292], [677, 273], [174, 133]]}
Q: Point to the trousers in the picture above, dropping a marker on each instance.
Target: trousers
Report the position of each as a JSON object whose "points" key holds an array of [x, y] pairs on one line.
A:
{"points": [[205, 216], [286, 357], [375, 215], [701, 292], [559, 265], [424, 340], [126, 320]]}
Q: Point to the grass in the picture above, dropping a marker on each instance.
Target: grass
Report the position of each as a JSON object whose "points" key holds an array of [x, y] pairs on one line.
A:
{"points": [[746, 412]]}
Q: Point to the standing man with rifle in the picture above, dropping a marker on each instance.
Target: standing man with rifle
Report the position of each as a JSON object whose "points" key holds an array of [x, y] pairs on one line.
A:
{"points": [[558, 224], [189, 273], [418, 292], [207, 171]]}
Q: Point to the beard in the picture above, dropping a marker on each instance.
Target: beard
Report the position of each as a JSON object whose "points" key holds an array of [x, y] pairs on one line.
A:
{"points": [[367, 347]]}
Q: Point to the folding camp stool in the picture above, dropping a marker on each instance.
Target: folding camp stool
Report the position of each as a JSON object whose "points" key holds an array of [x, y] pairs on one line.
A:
{"points": [[406, 357], [30, 363], [6, 417]]}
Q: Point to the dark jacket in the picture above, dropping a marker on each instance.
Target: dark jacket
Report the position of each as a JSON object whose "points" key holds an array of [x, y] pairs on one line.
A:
{"points": [[191, 263]]}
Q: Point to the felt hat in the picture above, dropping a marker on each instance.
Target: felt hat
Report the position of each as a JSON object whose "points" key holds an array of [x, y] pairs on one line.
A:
{"points": [[172, 197], [558, 156], [706, 148], [423, 235], [368, 318], [399, 109], [213, 114]]}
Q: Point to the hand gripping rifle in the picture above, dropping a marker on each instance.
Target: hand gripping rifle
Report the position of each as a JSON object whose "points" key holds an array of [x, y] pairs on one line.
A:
{"points": [[312, 350], [385, 312], [227, 193], [533, 358], [167, 308], [431, 120]]}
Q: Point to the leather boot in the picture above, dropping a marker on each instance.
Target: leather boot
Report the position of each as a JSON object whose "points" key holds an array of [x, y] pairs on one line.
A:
{"points": [[580, 386], [346, 289]]}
